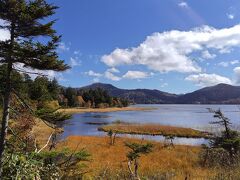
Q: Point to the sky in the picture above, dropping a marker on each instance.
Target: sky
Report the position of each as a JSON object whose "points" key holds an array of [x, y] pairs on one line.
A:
{"points": [[176, 46]]}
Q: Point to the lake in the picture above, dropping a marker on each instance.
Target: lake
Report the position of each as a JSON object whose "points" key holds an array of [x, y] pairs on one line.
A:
{"points": [[192, 116]]}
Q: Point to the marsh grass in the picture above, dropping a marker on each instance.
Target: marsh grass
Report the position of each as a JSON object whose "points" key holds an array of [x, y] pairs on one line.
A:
{"points": [[110, 162], [112, 109], [154, 129]]}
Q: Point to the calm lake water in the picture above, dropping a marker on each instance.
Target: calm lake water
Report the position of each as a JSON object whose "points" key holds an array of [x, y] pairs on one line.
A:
{"points": [[193, 116]]}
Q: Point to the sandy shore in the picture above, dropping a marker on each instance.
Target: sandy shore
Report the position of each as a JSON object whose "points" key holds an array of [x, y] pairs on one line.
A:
{"points": [[113, 109]]}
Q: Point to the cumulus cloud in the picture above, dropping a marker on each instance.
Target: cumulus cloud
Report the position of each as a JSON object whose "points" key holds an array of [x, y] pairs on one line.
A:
{"points": [[183, 4], [204, 80], [92, 73], [237, 75], [33, 73], [206, 55], [136, 75], [111, 76], [172, 50]]}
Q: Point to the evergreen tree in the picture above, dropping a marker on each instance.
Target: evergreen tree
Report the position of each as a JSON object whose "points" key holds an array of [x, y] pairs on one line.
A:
{"points": [[224, 147], [229, 139], [25, 20], [54, 89], [39, 90], [71, 95], [135, 154]]}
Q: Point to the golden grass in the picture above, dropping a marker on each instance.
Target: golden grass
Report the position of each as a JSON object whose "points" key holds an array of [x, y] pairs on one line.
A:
{"points": [[178, 161], [154, 129], [42, 132], [112, 109]]}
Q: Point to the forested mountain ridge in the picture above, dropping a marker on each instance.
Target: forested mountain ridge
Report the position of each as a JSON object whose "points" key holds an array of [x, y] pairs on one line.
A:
{"points": [[219, 94], [139, 96]]}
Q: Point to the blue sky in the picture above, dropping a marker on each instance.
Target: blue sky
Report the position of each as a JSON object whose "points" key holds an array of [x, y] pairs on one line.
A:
{"points": [[170, 45]]}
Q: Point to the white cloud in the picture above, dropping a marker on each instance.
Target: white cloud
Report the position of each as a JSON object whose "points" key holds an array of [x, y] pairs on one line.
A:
{"points": [[235, 62], [96, 80], [172, 50], [4, 34], [107, 74], [33, 73], [230, 16], [183, 4], [164, 85], [223, 64], [111, 76], [75, 62], [63, 47], [208, 79], [226, 64], [237, 75], [136, 75], [92, 73], [206, 55], [113, 70], [77, 53]]}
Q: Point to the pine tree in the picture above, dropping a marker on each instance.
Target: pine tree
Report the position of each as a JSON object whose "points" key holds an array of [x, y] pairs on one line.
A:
{"points": [[135, 154], [26, 22], [228, 140]]}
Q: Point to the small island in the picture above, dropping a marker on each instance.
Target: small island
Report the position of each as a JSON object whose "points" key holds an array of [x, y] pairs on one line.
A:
{"points": [[154, 130]]}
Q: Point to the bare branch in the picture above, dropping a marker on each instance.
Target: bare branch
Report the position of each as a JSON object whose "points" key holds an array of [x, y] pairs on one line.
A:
{"points": [[45, 144]]}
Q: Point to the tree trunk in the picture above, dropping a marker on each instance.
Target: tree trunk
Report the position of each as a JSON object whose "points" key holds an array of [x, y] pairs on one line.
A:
{"points": [[136, 170], [6, 103], [114, 137], [130, 169], [5, 117]]}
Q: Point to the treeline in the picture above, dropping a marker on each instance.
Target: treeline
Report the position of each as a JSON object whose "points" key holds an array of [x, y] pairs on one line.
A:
{"points": [[92, 98], [36, 91], [42, 91]]}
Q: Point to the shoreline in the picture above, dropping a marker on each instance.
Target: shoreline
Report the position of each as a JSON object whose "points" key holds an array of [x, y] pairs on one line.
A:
{"points": [[103, 110]]}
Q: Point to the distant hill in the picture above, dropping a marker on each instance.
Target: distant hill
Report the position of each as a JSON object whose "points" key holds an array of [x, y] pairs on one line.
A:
{"points": [[139, 96], [219, 94]]}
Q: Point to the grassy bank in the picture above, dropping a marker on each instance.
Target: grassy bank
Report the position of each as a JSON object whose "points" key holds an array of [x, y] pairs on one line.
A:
{"points": [[110, 162], [42, 132], [112, 109], [154, 129]]}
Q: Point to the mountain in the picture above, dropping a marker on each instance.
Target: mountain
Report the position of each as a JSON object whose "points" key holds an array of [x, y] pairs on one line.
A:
{"points": [[219, 94], [139, 96]]}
